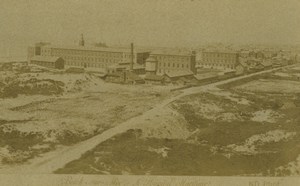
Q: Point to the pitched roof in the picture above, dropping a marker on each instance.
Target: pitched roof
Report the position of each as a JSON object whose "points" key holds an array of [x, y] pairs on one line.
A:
{"points": [[133, 76], [154, 77], [93, 48], [243, 63], [117, 66], [45, 58], [179, 73], [205, 76]]}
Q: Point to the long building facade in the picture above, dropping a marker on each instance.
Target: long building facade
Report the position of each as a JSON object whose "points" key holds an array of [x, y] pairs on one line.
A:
{"points": [[82, 56], [219, 59], [104, 57]]}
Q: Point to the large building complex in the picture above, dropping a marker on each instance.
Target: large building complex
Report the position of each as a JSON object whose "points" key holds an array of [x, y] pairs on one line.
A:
{"points": [[114, 59], [219, 59]]}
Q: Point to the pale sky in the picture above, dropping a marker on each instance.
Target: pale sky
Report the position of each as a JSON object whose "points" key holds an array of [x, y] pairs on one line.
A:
{"points": [[148, 22]]}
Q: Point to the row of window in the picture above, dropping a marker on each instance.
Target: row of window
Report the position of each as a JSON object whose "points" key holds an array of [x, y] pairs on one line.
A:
{"points": [[220, 61], [219, 65], [172, 58], [90, 59], [97, 65], [219, 55], [87, 53], [160, 71], [174, 65]]}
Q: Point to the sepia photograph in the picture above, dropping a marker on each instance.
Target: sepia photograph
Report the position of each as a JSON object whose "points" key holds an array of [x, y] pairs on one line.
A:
{"points": [[150, 92]]}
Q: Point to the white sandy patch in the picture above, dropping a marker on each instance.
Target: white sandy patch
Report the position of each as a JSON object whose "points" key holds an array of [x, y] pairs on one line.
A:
{"points": [[265, 116], [293, 167], [161, 151], [251, 144], [208, 110], [39, 146], [4, 152], [282, 74], [168, 124], [229, 117]]}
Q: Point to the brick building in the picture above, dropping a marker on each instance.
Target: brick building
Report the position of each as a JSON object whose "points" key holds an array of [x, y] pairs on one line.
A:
{"points": [[219, 59]]}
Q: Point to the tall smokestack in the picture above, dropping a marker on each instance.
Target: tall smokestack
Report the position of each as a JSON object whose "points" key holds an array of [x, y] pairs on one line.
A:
{"points": [[132, 58], [81, 42]]}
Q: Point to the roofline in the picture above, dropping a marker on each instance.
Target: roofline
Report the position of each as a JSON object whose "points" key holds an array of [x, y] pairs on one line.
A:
{"points": [[97, 49]]}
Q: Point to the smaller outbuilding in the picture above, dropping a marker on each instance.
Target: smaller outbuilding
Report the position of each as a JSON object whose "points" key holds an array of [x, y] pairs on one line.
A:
{"points": [[176, 75], [267, 64], [241, 68], [48, 61], [207, 77], [154, 79]]}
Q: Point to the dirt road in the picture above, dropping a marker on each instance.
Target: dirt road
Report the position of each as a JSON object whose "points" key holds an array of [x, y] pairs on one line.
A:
{"points": [[54, 160]]}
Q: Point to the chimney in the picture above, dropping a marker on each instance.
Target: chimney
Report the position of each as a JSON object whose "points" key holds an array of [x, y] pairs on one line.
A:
{"points": [[132, 58], [81, 42]]}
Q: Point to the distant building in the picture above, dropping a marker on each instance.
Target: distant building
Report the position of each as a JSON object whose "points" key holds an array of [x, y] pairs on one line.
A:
{"points": [[252, 54], [160, 63], [267, 64], [48, 61], [244, 54], [268, 54], [242, 68], [260, 55], [219, 59], [297, 58]]}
